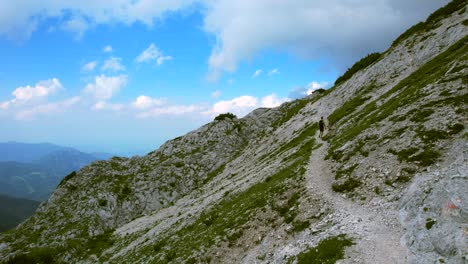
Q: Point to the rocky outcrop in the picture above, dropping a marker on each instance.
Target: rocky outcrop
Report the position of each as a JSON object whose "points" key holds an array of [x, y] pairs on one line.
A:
{"points": [[265, 189]]}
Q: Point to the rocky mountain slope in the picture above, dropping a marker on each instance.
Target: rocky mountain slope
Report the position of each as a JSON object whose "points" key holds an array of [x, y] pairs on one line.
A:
{"points": [[386, 185]]}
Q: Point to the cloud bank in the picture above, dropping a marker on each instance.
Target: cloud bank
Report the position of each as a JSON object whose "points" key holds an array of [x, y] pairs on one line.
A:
{"points": [[340, 30]]}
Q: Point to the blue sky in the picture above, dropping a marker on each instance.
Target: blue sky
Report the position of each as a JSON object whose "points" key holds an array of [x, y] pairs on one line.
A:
{"points": [[124, 76]]}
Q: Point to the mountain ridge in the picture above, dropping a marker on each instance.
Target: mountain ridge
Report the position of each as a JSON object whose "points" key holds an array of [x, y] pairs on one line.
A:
{"points": [[246, 190]]}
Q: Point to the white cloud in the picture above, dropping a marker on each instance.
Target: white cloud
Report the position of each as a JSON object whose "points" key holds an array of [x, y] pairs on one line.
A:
{"points": [[41, 89], [113, 64], [256, 73], [77, 25], [161, 59], [5, 105], [300, 92], [216, 94], [90, 66], [172, 110], [107, 49], [27, 93], [105, 87], [238, 104], [242, 105], [103, 105], [145, 102], [49, 108], [273, 72], [230, 81], [152, 53], [342, 31], [272, 100], [312, 86], [18, 19]]}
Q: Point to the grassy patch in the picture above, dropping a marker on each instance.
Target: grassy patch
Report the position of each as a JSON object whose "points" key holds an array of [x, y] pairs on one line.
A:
{"points": [[431, 136], [345, 172], [214, 173], [432, 21], [230, 214], [455, 129], [97, 244], [361, 64], [298, 226], [227, 218], [42, 255], [347, 108], [427, 157], [102, 202], [403, 155], [405, 93], [289, 110], [351, 105], [286, 211], [326, 252], [225, 116], [429, 223], [68, 177], [348, 186], [422, 115]]}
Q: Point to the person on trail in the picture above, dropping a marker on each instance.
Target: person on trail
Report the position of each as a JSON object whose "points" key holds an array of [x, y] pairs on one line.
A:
{"points": [[321, 126]]}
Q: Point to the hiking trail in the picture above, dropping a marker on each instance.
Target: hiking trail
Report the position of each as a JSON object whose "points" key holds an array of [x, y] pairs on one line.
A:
{"points": [[373, 231]]}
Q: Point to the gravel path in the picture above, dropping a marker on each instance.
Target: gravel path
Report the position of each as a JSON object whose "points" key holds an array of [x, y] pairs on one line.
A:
{"points": [[376, 231]]}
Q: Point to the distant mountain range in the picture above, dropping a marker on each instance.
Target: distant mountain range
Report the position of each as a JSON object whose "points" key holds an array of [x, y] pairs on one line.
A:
{"points": [[32, 171], [14, 211]]}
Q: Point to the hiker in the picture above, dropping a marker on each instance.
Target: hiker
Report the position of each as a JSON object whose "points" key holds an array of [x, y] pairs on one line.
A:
{"points": [[321, 126]]}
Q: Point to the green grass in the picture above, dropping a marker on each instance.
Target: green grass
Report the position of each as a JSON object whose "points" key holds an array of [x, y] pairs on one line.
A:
{"points": [[230, 214], [347, 108], [214, 173], [226, 218], [352, 104], [429, 223], [361, 64], [37, 256], [348, 186], [422, 115], [431, 135], [426, 157], [286, 210], [408, 91], [68, 177], [102, 202], [405, 154], [289, 110], [328, 251], [432, 21], [345, 172], [303, 139], [300, 225], [225, 116], [455, 129]]}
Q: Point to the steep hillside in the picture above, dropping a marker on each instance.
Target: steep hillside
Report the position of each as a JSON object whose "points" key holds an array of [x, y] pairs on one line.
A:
{"points": [[38, 178], [386, 185], [26, 180], [14, 211]]}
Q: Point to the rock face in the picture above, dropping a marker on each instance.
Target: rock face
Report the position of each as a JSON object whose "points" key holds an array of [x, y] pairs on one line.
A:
{"points": [[390, 175]]}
